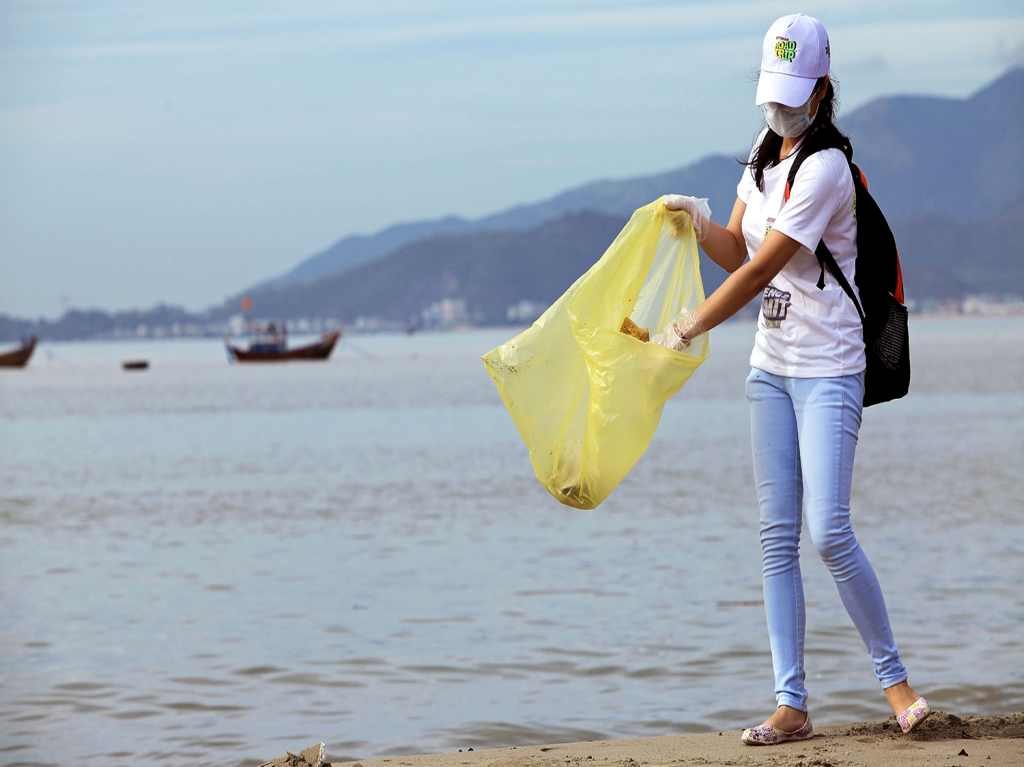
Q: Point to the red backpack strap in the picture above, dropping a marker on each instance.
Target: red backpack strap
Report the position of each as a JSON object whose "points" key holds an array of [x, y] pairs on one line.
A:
{"points": [[898, 294], [859, 174]]}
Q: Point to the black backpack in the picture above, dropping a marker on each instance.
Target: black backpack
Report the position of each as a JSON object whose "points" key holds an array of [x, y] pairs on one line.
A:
{"points": [[879, 281]]}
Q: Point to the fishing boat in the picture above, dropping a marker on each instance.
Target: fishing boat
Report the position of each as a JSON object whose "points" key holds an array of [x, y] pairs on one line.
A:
{"points": [[135, 365], [19, 357], [275, 349]]}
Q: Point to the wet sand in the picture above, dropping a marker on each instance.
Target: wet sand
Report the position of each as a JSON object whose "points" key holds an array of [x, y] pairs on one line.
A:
{"points": [[942, 739]]}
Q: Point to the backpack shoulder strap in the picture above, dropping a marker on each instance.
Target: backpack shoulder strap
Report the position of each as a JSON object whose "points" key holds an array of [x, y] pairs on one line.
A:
{"points": [[828, 261], [801, 154], [825, 257]]}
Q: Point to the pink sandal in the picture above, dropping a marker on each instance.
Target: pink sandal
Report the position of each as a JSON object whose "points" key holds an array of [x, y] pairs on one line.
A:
{"points": [[913, 715], [767, 735]]}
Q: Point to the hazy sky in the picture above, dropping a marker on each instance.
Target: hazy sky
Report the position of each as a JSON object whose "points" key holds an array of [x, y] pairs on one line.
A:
{"points": [[183, 150]]}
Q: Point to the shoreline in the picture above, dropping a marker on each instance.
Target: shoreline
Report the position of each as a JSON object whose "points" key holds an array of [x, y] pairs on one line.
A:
{"points": [[130, 336], [942, 739]]}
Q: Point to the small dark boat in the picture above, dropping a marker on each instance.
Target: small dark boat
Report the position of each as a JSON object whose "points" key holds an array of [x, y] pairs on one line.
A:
{"points": [[135, 365], [279, 352], [19, 357]]}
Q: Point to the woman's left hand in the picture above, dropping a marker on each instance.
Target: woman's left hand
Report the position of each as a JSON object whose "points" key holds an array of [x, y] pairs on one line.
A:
{"points": [[697, 207], [684, 333]]}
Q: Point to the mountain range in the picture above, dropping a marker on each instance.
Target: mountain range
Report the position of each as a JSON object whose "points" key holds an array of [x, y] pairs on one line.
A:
{"points": [[948, 173]]}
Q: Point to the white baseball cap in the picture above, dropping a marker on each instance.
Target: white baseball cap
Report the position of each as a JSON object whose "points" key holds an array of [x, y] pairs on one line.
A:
{"points": [[795, 53]]}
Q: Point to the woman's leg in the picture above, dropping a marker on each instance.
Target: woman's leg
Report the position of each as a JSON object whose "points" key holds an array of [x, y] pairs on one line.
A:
{"points": [[773, 435], [828, 415]]}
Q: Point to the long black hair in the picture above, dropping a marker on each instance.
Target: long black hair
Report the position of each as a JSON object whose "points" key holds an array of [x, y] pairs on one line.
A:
{"points": [[823, 134]]}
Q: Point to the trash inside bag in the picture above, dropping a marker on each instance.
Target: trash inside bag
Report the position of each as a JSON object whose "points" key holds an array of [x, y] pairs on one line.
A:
{"points": [[586, 383]]}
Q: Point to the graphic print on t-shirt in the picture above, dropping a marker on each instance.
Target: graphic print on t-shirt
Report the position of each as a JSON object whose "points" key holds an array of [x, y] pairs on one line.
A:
{"points": [[774, 306]]}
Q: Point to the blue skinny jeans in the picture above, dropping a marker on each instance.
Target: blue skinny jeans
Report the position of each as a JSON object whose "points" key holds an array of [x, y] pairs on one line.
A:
{"points": [[803, 434]]}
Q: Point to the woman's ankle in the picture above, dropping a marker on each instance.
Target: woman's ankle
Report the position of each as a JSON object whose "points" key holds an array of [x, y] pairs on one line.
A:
{"points": [[900, 695], [794, 708], [788, 718]]}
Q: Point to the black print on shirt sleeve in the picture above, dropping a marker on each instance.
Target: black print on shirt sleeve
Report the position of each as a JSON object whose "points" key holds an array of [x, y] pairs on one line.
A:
{"points": [[774, 306]]}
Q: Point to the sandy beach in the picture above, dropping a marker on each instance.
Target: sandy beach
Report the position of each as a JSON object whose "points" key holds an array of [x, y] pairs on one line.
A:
{"points": [[942, 739]]}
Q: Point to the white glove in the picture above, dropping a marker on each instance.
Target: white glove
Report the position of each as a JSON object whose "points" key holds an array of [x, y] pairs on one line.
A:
{"points": [[697, 207], [680, 333]]}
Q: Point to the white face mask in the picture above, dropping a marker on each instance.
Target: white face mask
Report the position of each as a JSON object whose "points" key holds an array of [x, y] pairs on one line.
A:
{"points": [[788, 122]]}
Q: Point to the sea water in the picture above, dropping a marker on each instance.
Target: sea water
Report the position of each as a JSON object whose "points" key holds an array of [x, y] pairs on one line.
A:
{"points": [[209, 564]]}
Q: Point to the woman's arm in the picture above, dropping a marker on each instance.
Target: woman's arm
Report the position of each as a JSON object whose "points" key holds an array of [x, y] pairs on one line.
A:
{"points": [[724, 244], [744, 283]]}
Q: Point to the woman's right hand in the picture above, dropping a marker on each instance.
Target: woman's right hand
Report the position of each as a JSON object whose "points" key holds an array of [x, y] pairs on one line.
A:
{"points": [[697, 207]]}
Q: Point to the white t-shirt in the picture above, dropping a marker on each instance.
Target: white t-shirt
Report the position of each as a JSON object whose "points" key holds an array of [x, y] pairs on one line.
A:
{"points": [[804, 332]]}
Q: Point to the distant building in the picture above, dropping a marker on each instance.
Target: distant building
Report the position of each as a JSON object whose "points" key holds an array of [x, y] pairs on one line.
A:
{"points": [[525, 311], [446, 313], [991, 305]]}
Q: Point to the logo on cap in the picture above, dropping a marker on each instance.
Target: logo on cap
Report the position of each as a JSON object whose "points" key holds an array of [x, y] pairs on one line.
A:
{"points": [[785, 48]]}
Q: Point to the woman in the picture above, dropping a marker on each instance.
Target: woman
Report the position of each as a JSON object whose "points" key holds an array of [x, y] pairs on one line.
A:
{"points": [[806, 383]]}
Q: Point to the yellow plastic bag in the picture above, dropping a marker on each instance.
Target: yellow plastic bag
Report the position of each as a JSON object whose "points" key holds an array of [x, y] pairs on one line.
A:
{"points": [[585, 397]]}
